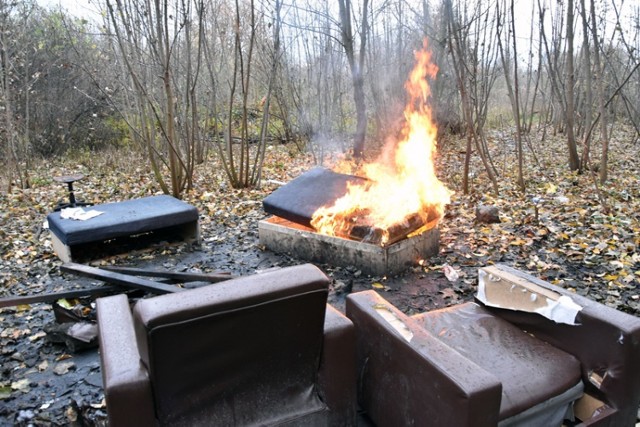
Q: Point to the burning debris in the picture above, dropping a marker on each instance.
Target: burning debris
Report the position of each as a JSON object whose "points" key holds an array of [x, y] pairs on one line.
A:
{"points": [[395, 196], [401, 193], [393, 204]]}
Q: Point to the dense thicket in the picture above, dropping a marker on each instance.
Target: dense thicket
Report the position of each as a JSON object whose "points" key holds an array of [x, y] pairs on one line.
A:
{"points": [[182, 79]]}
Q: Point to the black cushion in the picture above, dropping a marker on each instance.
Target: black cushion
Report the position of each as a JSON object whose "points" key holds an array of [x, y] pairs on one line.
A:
{"points": [[123, 219], [297, 200]]}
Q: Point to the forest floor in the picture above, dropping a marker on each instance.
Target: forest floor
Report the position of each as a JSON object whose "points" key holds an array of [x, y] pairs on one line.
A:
{"points": [[562, 229]]}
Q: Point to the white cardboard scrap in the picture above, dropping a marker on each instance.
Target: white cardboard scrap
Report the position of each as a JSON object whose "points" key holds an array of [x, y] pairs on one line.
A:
{"points": [[79, 214], [552, 305]]}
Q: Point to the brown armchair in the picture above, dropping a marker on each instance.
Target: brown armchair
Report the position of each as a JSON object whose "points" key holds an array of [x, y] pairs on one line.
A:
{"points": [[475, 365], [258, 350]]}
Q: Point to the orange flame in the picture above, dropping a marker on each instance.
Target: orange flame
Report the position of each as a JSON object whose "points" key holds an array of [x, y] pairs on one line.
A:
{"points": [[402, 182]]}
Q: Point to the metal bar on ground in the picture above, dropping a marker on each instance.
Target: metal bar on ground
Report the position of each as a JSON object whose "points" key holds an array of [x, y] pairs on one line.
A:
{"points": [[13, 301], [119, 278], [178, 276]]}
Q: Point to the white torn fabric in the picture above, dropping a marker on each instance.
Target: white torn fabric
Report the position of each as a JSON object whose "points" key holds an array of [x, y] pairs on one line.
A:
{"points": [[79, 214], [494, 291]]}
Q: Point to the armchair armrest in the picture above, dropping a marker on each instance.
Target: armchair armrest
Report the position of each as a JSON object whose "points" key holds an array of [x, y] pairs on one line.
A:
{"points": [[337, 373], [126, 383], [427, 381], [605, 341]]}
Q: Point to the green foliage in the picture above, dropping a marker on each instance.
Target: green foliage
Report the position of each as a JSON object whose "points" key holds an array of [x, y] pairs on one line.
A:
{"points": [[500, 116], [121, 132]]}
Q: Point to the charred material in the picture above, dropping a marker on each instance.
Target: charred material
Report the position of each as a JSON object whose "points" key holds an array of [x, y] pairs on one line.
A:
{"points": [[375, 235]]}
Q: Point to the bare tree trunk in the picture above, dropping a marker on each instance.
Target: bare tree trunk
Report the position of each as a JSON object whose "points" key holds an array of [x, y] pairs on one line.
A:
{"points": [[557, 105], [586, 55], [604, 159], [533, 93], [574, 159], [357, 69], [458, 48], [256, 174], [147, 38], [513, 89], [15, 141], [10, 134]]}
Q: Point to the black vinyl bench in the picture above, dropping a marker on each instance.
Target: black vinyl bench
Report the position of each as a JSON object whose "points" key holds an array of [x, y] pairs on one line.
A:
{"points": [[161, 215]]}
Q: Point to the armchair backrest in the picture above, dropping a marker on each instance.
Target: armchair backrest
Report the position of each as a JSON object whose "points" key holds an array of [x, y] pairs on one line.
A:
{"points": [[605, 341], [245, 351]]}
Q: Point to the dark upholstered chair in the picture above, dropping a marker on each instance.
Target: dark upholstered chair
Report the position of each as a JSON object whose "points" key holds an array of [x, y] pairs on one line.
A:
{"points": [[258, 350], [476, 365]]}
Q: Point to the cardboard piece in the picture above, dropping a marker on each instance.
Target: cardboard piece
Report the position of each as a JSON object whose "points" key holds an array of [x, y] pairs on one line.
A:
{"points": [[587, 407], [499, 288]]}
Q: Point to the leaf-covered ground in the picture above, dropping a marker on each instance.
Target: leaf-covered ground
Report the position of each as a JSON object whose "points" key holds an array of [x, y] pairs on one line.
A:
{"points": [[562, 229]]}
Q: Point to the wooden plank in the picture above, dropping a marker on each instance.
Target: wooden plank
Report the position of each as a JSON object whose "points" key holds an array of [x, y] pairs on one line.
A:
{"points": [[119, 278], [13, 301], [173, 275]]}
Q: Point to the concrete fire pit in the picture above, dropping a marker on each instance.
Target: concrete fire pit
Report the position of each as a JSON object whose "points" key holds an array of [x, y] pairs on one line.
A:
{"points": [[283, 236]]}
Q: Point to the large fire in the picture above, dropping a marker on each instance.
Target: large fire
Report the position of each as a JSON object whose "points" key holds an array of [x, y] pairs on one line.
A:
{"points": [[402, 185]]}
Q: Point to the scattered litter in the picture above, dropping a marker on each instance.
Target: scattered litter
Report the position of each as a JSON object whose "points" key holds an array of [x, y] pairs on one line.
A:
{"points": [[79, 214], [451, 273], [25, 415]]}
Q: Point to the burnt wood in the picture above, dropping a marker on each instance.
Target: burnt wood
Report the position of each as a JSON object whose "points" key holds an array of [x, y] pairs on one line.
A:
{"points": [[13, 301], [372, 234], [119, 278], [172, 275]]}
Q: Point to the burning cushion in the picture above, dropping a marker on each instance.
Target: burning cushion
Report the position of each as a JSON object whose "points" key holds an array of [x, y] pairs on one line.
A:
{"points": [[297, 200]]}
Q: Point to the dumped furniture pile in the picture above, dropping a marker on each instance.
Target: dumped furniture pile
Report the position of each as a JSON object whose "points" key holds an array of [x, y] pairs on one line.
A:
{"points": [[268, 348]]}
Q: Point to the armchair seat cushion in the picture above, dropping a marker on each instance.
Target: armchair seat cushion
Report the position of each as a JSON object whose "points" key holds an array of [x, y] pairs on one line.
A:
{"points": [[531, 371]]}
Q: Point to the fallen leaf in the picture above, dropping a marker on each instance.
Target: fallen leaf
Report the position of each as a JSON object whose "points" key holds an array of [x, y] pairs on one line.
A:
{"points": [[21, 385], [5, 392], [71, 414], [449, 293], [550, 188], [617, 264], [46, 405], [37, 336], [63, 368], [450, 273], [100, 405]]}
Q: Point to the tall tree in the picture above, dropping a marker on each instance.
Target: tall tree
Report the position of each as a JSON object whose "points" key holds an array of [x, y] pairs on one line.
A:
{"points": [[469, 69], [149, 34], [588, 89], [356, 65], [574, 159], [513, 87]]}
